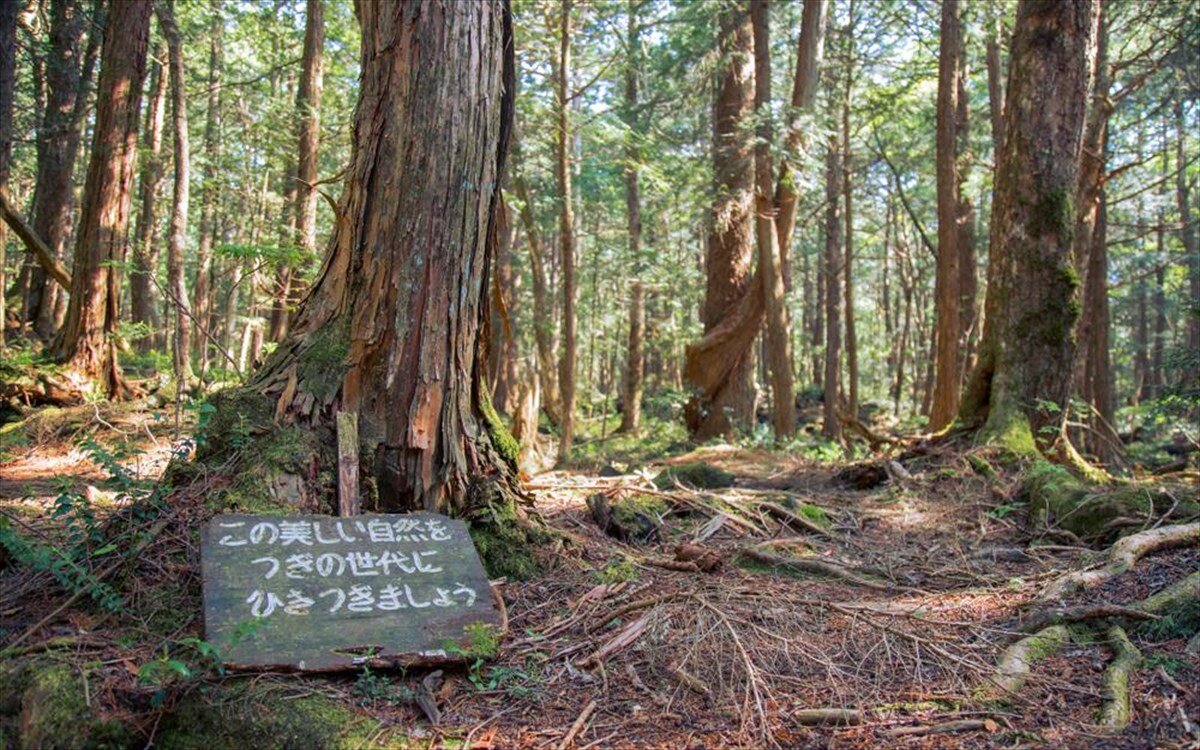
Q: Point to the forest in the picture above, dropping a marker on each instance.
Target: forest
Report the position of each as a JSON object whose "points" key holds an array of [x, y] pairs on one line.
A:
{"points": [[801, 373]]}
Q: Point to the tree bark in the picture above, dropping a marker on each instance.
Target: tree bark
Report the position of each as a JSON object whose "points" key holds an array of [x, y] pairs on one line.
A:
{"points": [[949, 344], [502, 350], [848, 200], [395, 326], [142, 297], [832, 426], [9, 9], [724, 403], [566, 232], [67, 70], [1191, 248], [177, 294], [87, 343], [1023, 378], [209, 193], [635, 359]]}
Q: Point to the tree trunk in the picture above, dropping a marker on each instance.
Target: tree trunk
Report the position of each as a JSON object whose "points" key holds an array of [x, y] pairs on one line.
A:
{"points": [[848, 200], [142, 297], [635, 359], [87, 344], [947, 297], [395, 324], [566, 231], [57, 149], [995, 81], [9, 9], [502, 349], [1191, 248], [209, 193], [1023, 378], [177, 294], [543, 314], [727, 406], [832, 427]]}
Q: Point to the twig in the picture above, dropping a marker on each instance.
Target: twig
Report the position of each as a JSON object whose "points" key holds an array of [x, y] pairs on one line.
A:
{"points": [[577, 727]]}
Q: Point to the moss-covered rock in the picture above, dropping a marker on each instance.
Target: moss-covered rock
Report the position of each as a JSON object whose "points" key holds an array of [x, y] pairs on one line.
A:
{"points": [[504, 539], [234, 716], [54, 714], [631, 518], [696, 474]]}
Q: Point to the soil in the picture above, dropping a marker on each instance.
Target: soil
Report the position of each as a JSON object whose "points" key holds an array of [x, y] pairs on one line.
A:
{"points": [[621, 645]]}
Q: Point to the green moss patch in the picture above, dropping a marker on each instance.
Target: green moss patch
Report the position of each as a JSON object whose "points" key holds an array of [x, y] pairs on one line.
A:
{"points": [[54, 712], [696, 474]]}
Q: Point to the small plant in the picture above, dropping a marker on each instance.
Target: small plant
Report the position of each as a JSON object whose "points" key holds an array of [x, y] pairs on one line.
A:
{"points": [[616, 571], [371, 688]]}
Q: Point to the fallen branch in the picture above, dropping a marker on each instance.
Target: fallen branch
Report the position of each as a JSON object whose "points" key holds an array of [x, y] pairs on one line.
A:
{"points": [[623, 639], [946, 727], [1115, 710], [1063, 615], [826, 716], [1122, 556], [794, 519], [577, 727], [819, 567], [35, 244]]}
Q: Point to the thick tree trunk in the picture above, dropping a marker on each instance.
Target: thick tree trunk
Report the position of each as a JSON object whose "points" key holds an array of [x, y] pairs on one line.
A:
{"points": [[726, 405], [502, 347], [635, 359], [395, 324], [832, 427], [566, 232], [57, 149], [851, 392], [779, 329], [87, 343], [209, 193], [142, 297], [1191, 248], [995, 81], [1023, 378], [177, 294]]}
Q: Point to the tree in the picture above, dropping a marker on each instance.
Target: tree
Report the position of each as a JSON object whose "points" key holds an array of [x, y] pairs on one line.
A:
{"points": [[209, 195], [8, 74], [779, 329], [725, 401], [394, 325], [566, 232], [1024, 373], [87, 344], [142, 299], [177, 294], [635, 357]]}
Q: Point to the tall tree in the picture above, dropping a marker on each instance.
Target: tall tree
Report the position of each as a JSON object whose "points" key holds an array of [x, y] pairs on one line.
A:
{"points": [[832, 266], [950, 345], [566, 230], [394, 325], [177, 294], [635, 358], [88, 340], [210, 191], [779, 329], [143, 302], [1191, 248], [728, 403], [1024, 373], [9, 9], [67, 71]]}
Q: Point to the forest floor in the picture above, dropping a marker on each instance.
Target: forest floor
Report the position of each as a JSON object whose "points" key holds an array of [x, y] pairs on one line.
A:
{"points": [[766, 599]]}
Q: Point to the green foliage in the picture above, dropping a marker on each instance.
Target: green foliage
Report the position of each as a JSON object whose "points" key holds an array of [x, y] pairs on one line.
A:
{"points": [[695, 474], [371, 688], [617, 570]]}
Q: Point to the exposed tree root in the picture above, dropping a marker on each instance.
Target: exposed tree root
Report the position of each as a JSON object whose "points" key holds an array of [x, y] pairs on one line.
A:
{"points": [[819, 567], [1065, 615], [1012, 669], [1115, 710], [1122, 556]]}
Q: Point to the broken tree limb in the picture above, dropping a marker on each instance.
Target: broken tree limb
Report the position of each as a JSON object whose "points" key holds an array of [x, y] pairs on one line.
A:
{"points": [[1115, 709], [1122, 556], [946, 727], [35, 244], [794, 519], [819, 567], [827, 716]]}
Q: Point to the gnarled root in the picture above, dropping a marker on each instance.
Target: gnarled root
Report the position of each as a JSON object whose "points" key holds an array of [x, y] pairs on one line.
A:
{"points": [[1115, 709], [1122, 556], [1012, 669]]}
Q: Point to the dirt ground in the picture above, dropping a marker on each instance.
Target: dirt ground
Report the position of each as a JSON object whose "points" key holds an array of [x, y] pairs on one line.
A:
{"points": [[929, 575]]}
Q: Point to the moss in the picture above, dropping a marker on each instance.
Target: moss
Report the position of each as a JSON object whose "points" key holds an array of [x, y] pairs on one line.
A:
{"points": [[504, 542], [981, 466], [1178, 608], [1008, 428], [695, 474], [234, 716], [1054, 213], [502, 440], [814, 513], [322, 365], [55, 714]]}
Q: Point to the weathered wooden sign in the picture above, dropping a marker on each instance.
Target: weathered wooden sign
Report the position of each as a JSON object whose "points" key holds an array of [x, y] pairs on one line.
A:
{"points": [[319, 593]]}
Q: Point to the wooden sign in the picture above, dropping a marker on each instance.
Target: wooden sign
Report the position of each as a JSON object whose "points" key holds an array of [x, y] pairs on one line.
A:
{"points": [[320, 593]]}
